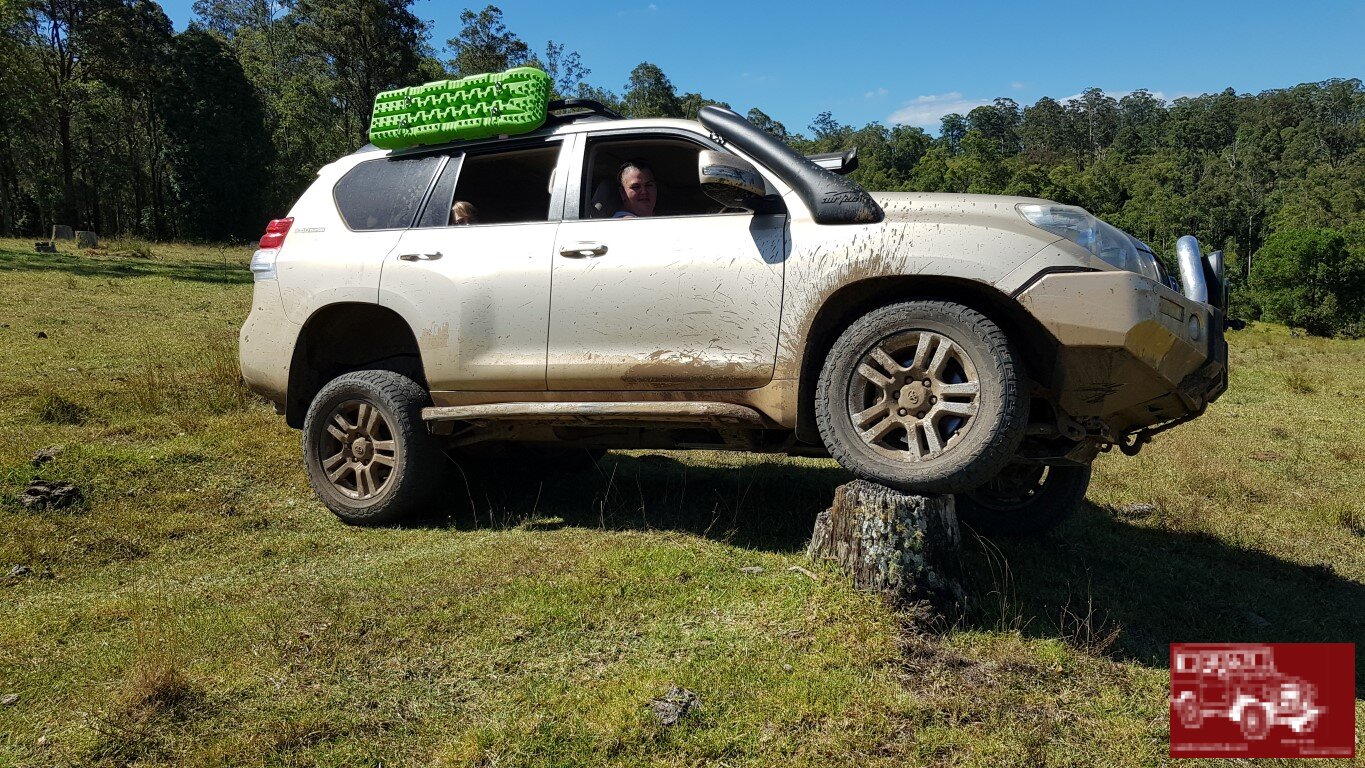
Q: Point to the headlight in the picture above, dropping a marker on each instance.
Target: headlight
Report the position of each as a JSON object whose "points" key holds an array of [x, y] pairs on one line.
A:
{"points": [[1108, 243]]}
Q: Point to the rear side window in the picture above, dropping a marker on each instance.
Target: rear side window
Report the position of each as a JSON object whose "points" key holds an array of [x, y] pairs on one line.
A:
{"points": [[503, 187], [385, 193]]}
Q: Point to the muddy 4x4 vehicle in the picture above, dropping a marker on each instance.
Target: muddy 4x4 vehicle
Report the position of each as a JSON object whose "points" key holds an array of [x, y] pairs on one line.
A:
{"points": [[978, 345]]}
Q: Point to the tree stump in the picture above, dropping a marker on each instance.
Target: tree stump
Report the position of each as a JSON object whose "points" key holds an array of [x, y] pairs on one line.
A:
{"points": [[62, 232], [86, 239], [906, 546]]}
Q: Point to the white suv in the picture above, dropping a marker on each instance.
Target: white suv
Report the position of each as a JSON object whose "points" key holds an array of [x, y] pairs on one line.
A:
{"points": [[978, 345]]}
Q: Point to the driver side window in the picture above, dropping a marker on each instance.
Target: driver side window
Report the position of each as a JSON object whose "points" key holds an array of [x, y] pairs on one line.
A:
{"points": [[668, 163]]}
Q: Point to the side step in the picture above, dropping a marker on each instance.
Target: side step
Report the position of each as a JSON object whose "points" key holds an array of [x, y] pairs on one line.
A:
{"points": [[593, 414]]}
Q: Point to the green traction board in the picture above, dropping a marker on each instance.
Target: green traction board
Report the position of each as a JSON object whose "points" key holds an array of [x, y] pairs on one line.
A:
{"points": [[474, 107]]}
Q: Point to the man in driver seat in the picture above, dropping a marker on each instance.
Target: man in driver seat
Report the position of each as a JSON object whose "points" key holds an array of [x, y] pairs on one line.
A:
{"points": [[637, 188]]}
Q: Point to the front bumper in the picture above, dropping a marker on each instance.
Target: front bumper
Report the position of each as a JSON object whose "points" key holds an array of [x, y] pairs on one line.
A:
{"points": [[1131, 352]]}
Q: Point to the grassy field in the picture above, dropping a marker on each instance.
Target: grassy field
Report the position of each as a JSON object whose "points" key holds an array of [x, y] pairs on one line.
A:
{"points": [[199, 607]]}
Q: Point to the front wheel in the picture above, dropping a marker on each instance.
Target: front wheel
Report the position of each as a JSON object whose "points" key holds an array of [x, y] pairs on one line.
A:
{"points": [[1025, 499], [923, 396], [1255, 722], [370, 458]]}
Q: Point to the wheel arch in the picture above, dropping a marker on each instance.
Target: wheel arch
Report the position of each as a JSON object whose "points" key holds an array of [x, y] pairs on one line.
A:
{"points": [[1240, 705], [852, 301], [343, 337]]}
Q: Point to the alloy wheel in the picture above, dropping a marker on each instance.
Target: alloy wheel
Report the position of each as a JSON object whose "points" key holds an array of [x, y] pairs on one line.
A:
{"points": [[358, 453], [914, 396]]}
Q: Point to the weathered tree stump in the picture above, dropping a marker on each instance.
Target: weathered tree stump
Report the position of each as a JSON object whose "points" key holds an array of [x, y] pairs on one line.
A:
{"points": [[906, 546], [62, 232], [86, 239]]}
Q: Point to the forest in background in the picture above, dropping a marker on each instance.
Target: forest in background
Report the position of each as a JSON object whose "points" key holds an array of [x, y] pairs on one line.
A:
{"points": [[114, 122]]}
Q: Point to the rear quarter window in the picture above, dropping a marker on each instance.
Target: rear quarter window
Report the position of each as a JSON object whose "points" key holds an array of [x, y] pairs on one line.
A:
{"points": [[385, 193]]}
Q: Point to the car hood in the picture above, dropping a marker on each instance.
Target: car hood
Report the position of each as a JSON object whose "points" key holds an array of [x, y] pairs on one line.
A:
{"points": [[991, 216], [911, 203]]}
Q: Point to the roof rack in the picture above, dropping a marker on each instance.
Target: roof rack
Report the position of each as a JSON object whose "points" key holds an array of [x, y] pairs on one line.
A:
{"points": [[581, 108]]}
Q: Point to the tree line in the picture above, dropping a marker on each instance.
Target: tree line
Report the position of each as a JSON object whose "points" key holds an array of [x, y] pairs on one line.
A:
{"points": [[114, 122]]}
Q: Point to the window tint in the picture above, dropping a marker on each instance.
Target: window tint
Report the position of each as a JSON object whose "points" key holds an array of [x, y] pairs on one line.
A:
{"points": [[501, 187], [384, 193]]}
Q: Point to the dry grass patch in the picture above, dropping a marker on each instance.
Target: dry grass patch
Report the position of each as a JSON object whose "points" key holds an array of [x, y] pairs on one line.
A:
{"points": [[1301, 383], [127, 247], [150, 705], [158, 686], [1352, 520]]}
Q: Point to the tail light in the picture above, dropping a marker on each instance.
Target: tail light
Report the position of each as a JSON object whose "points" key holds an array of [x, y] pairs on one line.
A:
{"points": [[263, 260], [275, 232]]}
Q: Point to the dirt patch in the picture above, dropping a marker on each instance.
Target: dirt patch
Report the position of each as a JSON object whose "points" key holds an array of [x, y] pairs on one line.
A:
{"points": [[42, 494]]}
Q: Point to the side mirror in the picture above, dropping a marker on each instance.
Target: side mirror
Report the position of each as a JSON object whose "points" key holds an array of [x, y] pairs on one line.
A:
{"points": [[729, 180]]}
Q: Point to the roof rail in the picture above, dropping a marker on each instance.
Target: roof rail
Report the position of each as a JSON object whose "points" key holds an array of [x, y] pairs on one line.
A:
{"points": [[581, 108]]}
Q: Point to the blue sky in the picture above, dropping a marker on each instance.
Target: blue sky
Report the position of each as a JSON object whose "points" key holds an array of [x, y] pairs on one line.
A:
{"points": [[912, 62]]}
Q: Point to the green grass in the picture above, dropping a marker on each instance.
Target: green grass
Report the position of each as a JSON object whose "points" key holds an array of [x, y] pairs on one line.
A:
{"points": [[202, 608]]}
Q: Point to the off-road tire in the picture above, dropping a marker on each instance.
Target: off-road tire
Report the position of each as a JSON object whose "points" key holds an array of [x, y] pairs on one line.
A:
{"points": [[967, 458], [1041, 501], [414, 478]]}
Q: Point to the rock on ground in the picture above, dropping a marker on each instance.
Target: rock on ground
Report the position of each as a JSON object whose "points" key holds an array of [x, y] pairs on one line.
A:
{"points": [[44, 455], [41, 494], [674, 704]]}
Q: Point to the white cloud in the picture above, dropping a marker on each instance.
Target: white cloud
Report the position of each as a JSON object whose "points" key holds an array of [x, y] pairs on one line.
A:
{"points": [[925, 111], [880, 92], [1016, 85]]}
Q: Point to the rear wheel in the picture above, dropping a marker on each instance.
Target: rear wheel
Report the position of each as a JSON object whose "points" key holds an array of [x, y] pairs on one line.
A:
{"points": [[1190, 716], [1025, 499], [923, 396], [370, 458]]}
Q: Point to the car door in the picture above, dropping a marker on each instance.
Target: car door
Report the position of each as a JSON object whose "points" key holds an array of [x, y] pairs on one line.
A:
{"points": [[477, 296], [686, 299]]}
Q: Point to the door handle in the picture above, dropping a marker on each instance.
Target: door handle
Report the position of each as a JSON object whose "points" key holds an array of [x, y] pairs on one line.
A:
{"points": [[581, 250], [420, 256]]}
